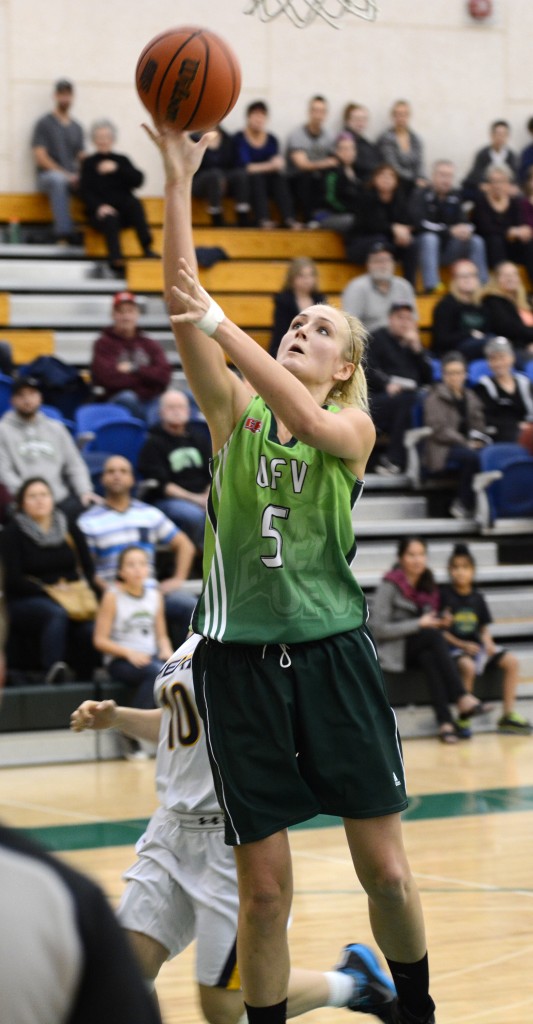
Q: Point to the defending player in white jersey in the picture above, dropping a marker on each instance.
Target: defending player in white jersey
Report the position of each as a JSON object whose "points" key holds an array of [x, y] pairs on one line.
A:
{"points": [[183, 885]]}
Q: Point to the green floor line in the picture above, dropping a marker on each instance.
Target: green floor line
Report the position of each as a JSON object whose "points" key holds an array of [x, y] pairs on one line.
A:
{"points": [[95, 835]]}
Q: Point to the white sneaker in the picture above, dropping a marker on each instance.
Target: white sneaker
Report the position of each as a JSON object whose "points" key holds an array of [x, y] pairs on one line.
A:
{"points": [[458, 510]]}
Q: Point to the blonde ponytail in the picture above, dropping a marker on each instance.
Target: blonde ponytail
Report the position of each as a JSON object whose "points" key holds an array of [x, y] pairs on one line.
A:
{"points": [[353, 391]]}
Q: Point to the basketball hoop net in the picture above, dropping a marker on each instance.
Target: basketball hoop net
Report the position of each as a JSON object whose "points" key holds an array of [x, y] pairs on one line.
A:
{"points": [[303, 12]]}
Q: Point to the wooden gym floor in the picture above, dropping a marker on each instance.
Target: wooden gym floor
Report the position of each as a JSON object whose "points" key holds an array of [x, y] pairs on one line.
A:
{"points": [[469, 834]]}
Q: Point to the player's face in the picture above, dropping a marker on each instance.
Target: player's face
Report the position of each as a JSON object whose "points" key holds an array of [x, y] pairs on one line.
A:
{"points": [[314, 348], [134, 568], [414, 560], [461, 571]]}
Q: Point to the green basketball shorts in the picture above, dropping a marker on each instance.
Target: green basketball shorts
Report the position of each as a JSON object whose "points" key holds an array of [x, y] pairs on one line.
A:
{"points": [[298, 730]]}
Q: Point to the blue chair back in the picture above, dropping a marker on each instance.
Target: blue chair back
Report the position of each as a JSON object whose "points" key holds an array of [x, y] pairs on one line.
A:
{"points": [[476, 369], [528, 369], [498, 456], [512, 496], [56, 414], [6, 387], [120, 438], [437, 369], [89, 417]]}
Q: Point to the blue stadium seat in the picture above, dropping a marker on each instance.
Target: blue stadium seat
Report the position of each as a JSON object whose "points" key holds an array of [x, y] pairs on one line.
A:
{"points": [[56, 414], [89, 417], [476, 369], [119, 438], [6, 386], [504, 485], [528, 369]]}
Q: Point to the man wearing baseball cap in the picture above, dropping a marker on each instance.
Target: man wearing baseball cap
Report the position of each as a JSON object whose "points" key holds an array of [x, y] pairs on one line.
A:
{"points": [[32, 444], [131, 368]]}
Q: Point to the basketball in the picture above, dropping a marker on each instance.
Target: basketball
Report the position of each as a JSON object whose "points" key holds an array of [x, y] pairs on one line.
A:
{"points": [[188, 78]]}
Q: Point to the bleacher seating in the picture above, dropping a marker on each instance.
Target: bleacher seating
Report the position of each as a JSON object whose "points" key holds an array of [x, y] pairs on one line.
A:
{"points": [[54, 302]]}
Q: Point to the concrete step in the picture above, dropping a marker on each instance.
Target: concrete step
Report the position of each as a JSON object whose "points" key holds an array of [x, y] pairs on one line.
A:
{"points": [[75, 347], [399, 527], [383, 555], [59, 275], [91, 311], [487, 574], [374, 509], [25, 250]]}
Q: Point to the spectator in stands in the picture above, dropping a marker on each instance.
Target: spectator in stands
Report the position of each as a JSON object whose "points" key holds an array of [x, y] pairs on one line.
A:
{"points": [[219, 176], [470, 639], [496, 155], [355, 121], [132, 369], [40, 548], [31, 442], [122, 520], [370, 296], [459, 318], [498, 217], [257, 151], [407, 626], [131, 633], [309, 155], [6, 359], [443, 232], [401, 149], [507, 396], [300, 289], [397, 367], [58, 150], [526, 199], [459, 431], [526, 156], [383, 216], [508, 310], [176, 456], [341, 189], [107, 182]]}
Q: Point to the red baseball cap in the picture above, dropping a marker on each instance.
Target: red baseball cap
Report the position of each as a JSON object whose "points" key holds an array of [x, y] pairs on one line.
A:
{"points": [[121, 297]]}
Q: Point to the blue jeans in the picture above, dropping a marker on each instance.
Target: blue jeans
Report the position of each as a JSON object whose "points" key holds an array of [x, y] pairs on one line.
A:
{"points": [[142, 408], [179, 607], [140, 680], [46, 624], [57, 188], [435, 252], [189, 517]]}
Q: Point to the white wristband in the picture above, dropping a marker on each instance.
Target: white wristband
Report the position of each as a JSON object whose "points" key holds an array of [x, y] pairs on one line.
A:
{"points": [[211, 319]]}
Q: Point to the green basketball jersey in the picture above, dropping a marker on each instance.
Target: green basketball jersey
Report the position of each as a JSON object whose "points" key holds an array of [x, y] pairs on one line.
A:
{"points": [[279, 540]]}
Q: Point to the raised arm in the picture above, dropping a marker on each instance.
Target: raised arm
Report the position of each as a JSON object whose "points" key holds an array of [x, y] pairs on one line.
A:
{"points": [[220, 395]]}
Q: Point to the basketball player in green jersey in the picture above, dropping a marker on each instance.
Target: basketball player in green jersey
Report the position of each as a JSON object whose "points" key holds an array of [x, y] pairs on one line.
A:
{"points": [[287, 678]]}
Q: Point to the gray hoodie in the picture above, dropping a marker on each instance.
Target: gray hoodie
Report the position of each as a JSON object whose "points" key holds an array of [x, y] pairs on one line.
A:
{"points": [[41, 447]]}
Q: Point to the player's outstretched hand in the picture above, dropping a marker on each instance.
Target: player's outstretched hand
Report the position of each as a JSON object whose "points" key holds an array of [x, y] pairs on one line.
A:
{"points": [[94, 714], [193, 298], [181, 155]]}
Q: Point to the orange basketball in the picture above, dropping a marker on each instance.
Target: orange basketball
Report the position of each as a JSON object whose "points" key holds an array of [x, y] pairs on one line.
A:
{"points": [[188, 78]]}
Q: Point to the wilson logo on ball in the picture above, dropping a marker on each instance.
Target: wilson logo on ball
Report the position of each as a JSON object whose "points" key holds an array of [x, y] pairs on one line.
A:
{"points": [[182, 88]]}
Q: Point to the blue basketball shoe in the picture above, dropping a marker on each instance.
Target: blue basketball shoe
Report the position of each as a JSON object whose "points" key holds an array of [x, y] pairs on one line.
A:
{"points": [[374, 991]]}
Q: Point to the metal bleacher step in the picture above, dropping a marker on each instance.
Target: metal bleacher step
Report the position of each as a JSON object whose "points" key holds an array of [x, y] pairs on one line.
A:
{"points": [[59, 275], [76, 346], [375, 509], [83, 311], [45, 251], [486, 574], [381, 556], [398, 526]]}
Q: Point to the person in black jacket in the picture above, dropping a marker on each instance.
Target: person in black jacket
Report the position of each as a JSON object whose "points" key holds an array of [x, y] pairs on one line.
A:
{"points": [[382, 215], [218, 176], [341, 189], [498, 154], [176, 455], [499, 218], [397, 366], [508, 310], [106, 186], [38, 547], [300, 289], [459, 319], [443, 232], [507, 396]]}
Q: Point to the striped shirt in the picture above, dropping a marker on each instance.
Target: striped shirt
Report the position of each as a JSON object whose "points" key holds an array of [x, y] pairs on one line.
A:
{"points": [[109, 531]]}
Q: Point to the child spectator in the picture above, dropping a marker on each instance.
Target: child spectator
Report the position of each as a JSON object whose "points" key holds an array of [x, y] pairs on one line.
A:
{"points": [[470, 640], [130, 630]]}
